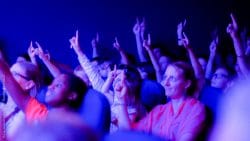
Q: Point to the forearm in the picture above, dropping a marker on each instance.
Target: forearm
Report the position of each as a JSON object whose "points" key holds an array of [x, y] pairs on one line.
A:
{"points": [[93, 74], [95, 53], [240, 55], [154, 61], [195, 64], [140, 50], [106, 86], [209, 67], [124, 58], [124, 121], [156, 65], [52, 68], [19, 96]]}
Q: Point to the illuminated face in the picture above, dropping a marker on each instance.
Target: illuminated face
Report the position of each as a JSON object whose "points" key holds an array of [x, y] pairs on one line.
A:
{"points": [[220, 78], [174, 83], [58, 91], [117, 84]]}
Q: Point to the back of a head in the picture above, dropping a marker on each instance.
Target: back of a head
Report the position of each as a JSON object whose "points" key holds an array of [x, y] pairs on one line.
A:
{"points": [[234, 114], [131, 136], [56, 128], [79, 87]]}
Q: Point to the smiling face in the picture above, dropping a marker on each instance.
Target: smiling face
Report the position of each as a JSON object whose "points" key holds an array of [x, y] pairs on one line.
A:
{"points": [[117, 84], [174, 83]]}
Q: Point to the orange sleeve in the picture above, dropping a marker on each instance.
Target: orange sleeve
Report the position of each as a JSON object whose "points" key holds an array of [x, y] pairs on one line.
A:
{"points": [[35, 111]]}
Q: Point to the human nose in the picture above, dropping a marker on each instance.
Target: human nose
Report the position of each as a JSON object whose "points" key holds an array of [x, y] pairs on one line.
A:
{"points": [[165, 82]]}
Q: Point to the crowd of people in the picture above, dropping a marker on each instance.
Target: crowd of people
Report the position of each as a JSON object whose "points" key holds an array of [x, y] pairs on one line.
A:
{"points": [[157, 97]]}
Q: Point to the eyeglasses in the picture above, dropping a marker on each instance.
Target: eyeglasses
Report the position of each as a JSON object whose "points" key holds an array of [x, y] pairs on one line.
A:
{"points": [[216, 75], [20, 75]]}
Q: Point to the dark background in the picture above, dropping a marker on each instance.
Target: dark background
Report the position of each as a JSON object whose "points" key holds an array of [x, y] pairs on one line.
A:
{"points": [[52, 23]]}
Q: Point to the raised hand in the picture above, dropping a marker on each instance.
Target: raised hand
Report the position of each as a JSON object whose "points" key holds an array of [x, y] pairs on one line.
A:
{"points": [[116, 44], [39, 51], [142, 28], [95, 41], [180, 28], [112, 74], [232, 27], [213, 46], [137, 28], [147, 43], [185, 41], [31, 50], [74, 42]]}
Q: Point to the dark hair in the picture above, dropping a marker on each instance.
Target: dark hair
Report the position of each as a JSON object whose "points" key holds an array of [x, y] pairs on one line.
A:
{"points": [[231, 72], [148, 68], [133, 81], [25, 56], [79, 87], [188, 74]]}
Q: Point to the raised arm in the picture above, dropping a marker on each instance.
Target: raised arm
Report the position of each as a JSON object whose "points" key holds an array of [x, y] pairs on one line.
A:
{"points": [[147, 46], [19, 96], [198, 71], [123, 118], [46, 60], [94, 44], [140, 50], [124, 57], [107, 85], [32, 54], [93, 74], [180, 28], [232, 29], [212, 48]]}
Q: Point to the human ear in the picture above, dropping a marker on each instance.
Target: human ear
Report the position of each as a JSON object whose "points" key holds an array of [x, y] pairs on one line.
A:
{"points": [[72, 96], [188, 84]]}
